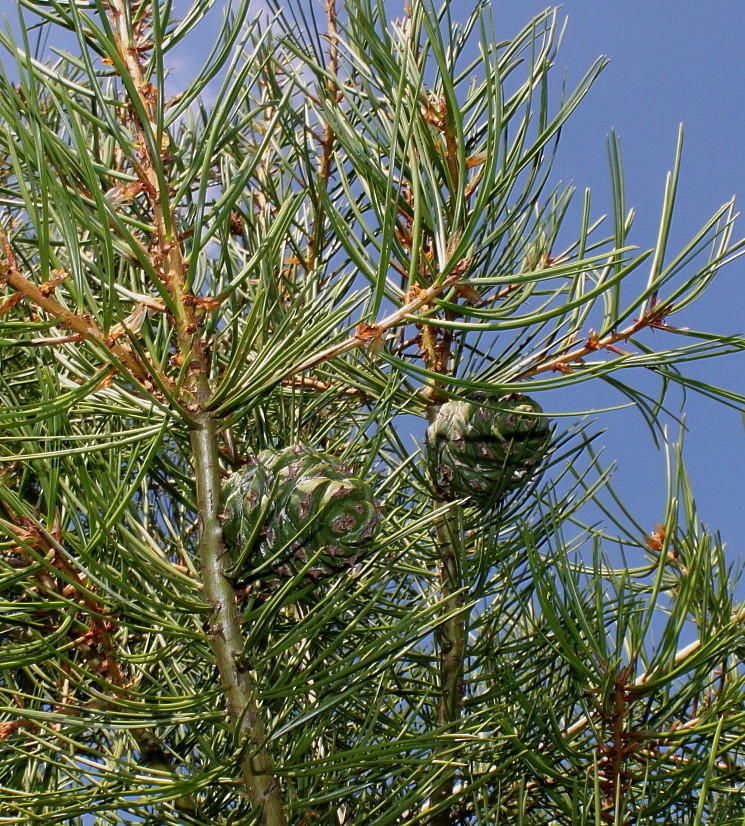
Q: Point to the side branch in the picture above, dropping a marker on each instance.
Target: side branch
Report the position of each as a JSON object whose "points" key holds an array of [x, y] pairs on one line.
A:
{"points": [[315, 241], [96, 646], [369, 334], [654, 317], [83, 327]]}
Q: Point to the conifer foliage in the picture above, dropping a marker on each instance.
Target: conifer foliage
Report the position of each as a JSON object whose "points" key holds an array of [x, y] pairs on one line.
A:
{"points": [[239, 585]]}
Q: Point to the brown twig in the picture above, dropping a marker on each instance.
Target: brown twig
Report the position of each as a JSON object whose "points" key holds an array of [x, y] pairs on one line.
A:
{"points": [[327, 141], [167, 257], [323, 386], [613, 774], [363, 336], [29, 535], [653, 318], [96, 646], [83, 326]]}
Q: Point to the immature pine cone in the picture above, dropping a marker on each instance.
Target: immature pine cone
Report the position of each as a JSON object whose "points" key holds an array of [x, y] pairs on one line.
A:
{"points": [[478, 452], [309, 502]]}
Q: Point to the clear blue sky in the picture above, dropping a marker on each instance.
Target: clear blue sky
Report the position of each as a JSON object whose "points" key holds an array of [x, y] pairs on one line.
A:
{"points": [[670, 62]]}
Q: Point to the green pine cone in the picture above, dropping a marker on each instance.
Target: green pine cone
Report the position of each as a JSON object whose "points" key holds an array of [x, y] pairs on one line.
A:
{"points": [[479, 453], [298, 502]]}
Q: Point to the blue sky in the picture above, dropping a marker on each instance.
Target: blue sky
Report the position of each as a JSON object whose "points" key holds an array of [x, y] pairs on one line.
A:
{"points": [[670, 62]]}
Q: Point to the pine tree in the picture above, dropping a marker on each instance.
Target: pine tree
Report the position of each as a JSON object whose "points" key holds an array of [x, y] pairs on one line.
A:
{"points": [[229, 313]]}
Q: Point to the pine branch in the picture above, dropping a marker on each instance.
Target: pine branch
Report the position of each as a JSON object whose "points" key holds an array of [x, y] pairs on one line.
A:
{"points": [[225, 629], [96, 646], [371, 335], [451, 635], [316, 235], [82, 327], [654, 317], [302, 173]]}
